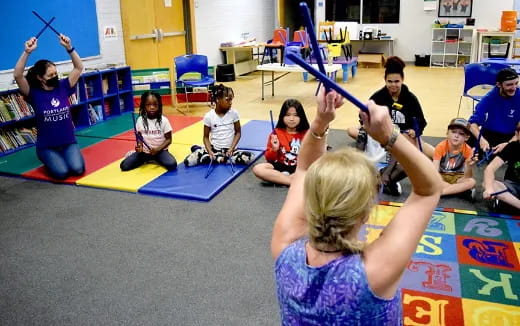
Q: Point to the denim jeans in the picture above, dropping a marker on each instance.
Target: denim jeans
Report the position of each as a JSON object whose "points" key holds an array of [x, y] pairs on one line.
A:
{"points": [[62, 161], [137, 159]]}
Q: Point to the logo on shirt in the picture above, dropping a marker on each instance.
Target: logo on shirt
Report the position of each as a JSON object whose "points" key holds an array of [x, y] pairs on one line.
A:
{"points": [[55, 102], [511, 113]]}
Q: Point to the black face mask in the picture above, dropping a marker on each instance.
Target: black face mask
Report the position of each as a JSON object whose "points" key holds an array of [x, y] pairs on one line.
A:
{"points": [[53, 82]]}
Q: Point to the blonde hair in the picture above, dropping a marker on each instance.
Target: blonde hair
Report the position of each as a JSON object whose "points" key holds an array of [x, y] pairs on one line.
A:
{"points": [[339, 191]]}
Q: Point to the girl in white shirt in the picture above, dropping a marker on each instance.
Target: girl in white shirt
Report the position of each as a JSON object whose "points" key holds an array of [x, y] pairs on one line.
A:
{"points": [[221, 133], [155, 136]]}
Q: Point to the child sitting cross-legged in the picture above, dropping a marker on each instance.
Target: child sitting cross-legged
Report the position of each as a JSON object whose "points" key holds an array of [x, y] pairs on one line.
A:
{"points": [[454, 159], [283, 144], [222, 132]]}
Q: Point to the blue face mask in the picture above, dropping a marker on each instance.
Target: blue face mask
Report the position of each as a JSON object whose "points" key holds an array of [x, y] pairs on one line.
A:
{"points": [[53, 82]]}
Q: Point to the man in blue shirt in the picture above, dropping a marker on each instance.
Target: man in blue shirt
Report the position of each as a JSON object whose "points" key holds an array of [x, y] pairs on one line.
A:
{"points": [[498, 113]]}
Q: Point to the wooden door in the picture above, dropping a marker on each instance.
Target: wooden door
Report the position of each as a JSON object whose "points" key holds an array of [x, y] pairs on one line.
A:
{"points": [[154, 32]]}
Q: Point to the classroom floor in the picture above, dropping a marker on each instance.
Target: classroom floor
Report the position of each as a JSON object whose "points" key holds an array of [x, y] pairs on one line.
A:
{"points": [[438, 90], [74, 255]]}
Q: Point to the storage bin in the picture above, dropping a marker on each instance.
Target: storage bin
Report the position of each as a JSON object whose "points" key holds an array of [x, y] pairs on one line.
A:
{"points": [[422, 60]]}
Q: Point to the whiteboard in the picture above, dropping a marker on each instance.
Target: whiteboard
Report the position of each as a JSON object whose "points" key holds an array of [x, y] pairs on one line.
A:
{"points": [[75, 18]]}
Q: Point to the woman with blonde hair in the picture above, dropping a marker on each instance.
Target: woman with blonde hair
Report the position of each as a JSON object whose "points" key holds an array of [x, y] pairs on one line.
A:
{"points": [[324, 274]]}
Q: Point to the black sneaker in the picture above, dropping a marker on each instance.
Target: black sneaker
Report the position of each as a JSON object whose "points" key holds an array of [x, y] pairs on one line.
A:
{"points": [[361, 140], [392, 189], [469, 195]]}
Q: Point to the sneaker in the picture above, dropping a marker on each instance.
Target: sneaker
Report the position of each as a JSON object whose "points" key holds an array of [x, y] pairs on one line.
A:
{"points": [[393, 189], [361, 140], [469, 195]]}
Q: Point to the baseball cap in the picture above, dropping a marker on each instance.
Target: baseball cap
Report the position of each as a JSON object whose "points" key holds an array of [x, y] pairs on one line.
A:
{"points": [[506, 74], [460, 123]]}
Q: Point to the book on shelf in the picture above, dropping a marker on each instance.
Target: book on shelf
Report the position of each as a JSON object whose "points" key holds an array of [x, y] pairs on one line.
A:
{"points": [[104, 86], [16, 137], [73, 99], [14, 107], [94, 113], [107, 108]]}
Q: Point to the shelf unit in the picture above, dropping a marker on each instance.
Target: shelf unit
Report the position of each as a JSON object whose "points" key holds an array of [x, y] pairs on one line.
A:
{"points": [[498, 41], [451, 47], [100, 95], [155, 79]]}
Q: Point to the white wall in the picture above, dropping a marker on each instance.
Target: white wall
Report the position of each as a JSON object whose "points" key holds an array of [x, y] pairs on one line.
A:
{"points": [[413, 33], [112, 51], [225, 20]]}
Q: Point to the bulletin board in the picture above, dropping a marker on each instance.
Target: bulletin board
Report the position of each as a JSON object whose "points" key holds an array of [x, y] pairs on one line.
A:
{"points": [[75, 18]]}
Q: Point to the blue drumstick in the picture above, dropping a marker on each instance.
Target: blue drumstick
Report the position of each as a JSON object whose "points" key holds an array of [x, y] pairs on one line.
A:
{"points": [[498, 192], [314, 42], [417, 134], [477, 144], [487, 155], [272, 121], [138, 136], [208, 172], [325, 80], [45, 27], [43, 20], [232, 165]]}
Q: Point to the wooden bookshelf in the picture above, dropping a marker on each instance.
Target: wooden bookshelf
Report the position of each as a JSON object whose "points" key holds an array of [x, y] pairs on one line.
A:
{"points": [[100, 95]]}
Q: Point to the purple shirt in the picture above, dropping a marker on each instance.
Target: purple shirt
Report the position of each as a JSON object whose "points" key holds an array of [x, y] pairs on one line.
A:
{"points": [[53, 120], [336, 293]]}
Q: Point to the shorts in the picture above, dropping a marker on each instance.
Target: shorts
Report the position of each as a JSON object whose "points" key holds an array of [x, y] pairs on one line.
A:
{"points": [[282, 167], [452, 178], [513, 187]]}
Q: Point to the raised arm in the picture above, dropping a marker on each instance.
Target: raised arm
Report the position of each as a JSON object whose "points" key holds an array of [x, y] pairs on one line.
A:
{"points": [[387, 257], [291, 223], [76, 60], [23, 84]]}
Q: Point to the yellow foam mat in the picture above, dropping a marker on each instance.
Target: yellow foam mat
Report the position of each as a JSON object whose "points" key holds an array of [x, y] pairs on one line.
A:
{"points": [[111, 176], [193, 134]]}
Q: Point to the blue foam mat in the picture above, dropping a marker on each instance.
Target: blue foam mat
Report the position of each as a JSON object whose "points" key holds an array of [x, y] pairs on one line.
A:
{"points": [[254, 135], [189, 182]]}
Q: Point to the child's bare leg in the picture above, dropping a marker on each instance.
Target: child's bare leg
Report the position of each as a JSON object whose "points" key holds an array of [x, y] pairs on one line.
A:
{"points": [[506, 197], [266, 171], [463, 184]]}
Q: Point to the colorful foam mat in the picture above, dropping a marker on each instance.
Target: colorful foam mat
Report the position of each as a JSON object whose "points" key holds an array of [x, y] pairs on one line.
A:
{"points": [[465, 270], [201, 182], [104, 146]]}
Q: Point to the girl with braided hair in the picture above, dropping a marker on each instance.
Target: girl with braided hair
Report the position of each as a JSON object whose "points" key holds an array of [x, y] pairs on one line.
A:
{"points": [[221, 133], [324, 275]]}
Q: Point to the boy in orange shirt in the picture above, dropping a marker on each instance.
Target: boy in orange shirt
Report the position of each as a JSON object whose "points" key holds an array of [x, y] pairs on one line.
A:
{"points": [[454, 159]]}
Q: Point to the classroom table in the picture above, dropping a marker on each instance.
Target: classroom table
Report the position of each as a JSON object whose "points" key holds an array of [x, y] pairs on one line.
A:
{"points": [[242, 57], [286, 69]]}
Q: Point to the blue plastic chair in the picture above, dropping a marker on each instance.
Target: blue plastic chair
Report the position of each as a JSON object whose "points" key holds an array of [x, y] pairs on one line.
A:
{"points": [[196, 68], [479, 74]]}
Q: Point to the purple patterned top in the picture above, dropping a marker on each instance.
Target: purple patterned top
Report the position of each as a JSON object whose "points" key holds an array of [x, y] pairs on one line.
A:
{"points": [[336, 293]]}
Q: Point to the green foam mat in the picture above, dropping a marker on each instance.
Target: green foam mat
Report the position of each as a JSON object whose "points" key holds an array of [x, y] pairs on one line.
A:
{"points": [[20, 162]]}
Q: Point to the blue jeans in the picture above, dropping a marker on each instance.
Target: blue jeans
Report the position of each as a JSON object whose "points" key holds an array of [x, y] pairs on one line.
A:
{"points": [[137, 159], [62, 161]]}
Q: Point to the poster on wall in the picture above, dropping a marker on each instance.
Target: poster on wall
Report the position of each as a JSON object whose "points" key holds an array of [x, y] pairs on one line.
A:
{"points": [[455, 8], [430, 5]]}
